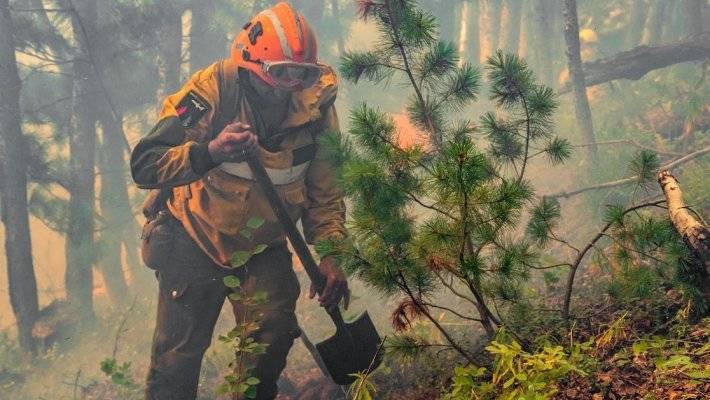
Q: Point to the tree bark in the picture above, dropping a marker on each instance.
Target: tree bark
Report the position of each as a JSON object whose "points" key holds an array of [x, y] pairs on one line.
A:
{"points": [[510, 25], [581, 104], [489, 21], [635, 63], [22, 285], [654, 23], [695, 235], [82, 152]]}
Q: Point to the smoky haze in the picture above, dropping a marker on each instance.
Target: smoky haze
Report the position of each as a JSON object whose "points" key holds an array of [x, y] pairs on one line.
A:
{"points": [[92, 76]]}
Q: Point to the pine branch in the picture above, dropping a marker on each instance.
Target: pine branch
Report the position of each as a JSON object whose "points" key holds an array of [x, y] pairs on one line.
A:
{"points": [[405, 59], [527, 136]]}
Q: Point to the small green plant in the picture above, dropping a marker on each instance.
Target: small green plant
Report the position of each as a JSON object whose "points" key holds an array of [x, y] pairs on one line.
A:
{"points": [[240, 257], [362, 388], [239, 382], [120, 376], [516, 374], [677, 359]]}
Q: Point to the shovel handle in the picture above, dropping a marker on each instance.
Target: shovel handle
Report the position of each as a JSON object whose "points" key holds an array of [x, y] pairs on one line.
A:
{"points": [[297, 241]]}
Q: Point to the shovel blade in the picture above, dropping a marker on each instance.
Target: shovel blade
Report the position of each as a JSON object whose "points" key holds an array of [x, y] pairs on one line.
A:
{"points": [[351, 350]]}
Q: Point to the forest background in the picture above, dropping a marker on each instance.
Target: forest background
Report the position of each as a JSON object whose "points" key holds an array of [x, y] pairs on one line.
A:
{"points": [[87, 82]]}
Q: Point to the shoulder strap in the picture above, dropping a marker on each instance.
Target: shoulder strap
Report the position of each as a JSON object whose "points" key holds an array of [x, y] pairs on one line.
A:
{"points": [[229, 96]]}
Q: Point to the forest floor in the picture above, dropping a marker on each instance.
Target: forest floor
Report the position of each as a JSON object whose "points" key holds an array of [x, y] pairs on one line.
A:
{"points": [[646, 351]]}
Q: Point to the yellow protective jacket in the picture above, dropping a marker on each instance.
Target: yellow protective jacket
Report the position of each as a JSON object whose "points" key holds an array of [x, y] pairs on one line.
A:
{"points": [[213, 202]]}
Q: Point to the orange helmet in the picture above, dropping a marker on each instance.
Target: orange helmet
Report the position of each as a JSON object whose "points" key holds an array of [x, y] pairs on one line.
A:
{"points": [[280, 47]]}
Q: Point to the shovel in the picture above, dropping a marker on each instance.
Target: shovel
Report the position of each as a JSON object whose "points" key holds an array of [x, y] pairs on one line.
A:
{"points": [[355, 347]]}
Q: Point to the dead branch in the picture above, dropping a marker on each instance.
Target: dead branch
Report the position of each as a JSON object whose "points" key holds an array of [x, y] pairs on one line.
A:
{"points": [[637, 62], [695, 235], [632, 179], [580, 257]]}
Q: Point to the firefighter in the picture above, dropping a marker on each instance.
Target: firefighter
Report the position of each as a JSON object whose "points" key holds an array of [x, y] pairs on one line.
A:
{"points": [[271, 97]]}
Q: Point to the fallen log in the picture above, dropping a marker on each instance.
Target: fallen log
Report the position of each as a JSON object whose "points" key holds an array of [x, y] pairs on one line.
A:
{"points": [[695, 235], [637, 62]]}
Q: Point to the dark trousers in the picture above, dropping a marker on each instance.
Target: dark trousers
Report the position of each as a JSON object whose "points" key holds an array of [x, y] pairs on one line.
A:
{"points": [[191, 295]]}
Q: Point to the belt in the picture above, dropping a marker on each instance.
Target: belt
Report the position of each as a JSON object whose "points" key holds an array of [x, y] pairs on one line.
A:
{"points": [[278, 176], [302, 157]]}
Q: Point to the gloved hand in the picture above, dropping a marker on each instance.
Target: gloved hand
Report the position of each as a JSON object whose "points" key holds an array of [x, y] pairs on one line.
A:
{"points": [[234, 142], [336, 285]]}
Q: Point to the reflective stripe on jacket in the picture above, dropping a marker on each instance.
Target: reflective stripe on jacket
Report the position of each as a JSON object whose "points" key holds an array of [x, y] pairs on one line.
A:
{"points": [[214, 203]]}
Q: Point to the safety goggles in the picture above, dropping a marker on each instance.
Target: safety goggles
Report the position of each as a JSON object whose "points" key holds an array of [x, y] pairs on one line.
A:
{"points": [[292, 75]]}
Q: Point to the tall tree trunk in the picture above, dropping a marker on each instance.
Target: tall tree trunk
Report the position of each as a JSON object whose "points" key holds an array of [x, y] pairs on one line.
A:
{"points": [[119, 229], [489, 20], [654, 23], [118, 222], [582, 110], [80, 247], [510, 25], [22, 284], [542, 33], [693, 16], [637, 15], [170, 53]]}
